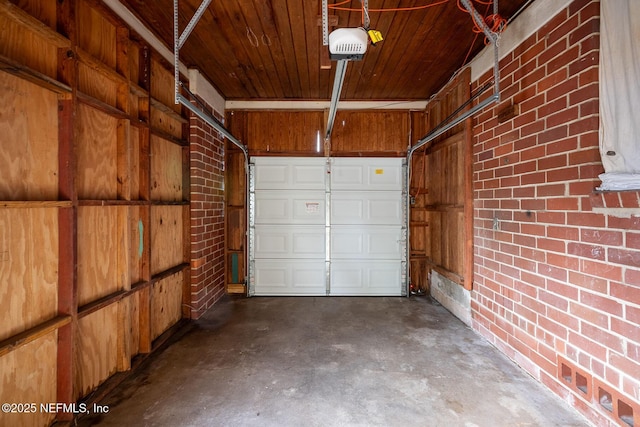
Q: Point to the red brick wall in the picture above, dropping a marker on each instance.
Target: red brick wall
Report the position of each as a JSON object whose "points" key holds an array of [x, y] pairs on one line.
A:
{"points": [[207, 217], [555, 280]]}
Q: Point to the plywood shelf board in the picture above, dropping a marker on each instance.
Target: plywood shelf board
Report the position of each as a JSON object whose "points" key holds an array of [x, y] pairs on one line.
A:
{"points": [[22, 71], [94, 202], [93, 306], [169, 272], [29, 204], [32, 24], [95, 64], [168, 137], [138, 90], [101, 106], [236, 288], [159, 105], [12, 343]]}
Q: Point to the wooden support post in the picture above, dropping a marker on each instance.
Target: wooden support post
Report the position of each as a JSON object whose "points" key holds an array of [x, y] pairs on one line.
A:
{"points": [[67, 217], [468, 194], [186, 216], [67, 258]]}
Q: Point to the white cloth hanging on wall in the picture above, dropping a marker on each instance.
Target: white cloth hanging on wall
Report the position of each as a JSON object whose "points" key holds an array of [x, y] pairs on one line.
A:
{"points": [[620, 94]]}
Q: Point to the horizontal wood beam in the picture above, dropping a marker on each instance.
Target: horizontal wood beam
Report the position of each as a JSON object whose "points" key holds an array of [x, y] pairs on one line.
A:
{"points": [[33, 24], [22, 71], [32, 334]]}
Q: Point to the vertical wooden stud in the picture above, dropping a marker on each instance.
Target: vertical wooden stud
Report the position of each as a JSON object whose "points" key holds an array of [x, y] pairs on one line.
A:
{"points": [[67, 217], [124, 334], [67, 277], [124, 165]]}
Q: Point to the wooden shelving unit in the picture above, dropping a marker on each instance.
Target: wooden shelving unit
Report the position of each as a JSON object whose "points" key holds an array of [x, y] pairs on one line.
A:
{"points": [[94, 203]]}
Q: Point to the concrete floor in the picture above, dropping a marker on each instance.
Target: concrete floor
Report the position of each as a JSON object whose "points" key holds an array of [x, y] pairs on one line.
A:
{"points": [[332, 362]]}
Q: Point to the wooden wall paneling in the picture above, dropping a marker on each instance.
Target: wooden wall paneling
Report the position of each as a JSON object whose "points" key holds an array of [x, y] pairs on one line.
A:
{"points": [[284, 132], [135, 159], [98, 256], [434, 251], [67, 244], [135, 93], [144, 165], [67, 73], [185, 294], [32, 48], [94, 81], [126, 169], [162, 83], [166, 307], [28, 268], [468, 206], [43, 11], [166, 170], [28, 374], [237, 124], [377, 133], [96, 150], [417, 238], [122, 66], [235, 179], [96, 34], [124, 333], [165, 123], [447, 199], [167, 240], [124, 248], [144, 339], [134, 53], [96, 349], [29, 125], [103, 84], [134, 315], [138, 253], [419, 275], [144, 320], [235, 219]]}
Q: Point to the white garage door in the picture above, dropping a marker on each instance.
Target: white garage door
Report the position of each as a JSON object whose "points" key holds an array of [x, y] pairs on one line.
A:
{"points": [[327, 227]]}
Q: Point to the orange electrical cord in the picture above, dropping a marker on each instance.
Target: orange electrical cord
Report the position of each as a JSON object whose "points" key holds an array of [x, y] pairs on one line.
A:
{"points": [[336, 6]]}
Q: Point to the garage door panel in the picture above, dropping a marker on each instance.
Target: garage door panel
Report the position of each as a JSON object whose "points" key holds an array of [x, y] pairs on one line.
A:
{"points": [[289, 277], [366, 278], [290, 207], [275, 173], [358, 243], [366, 174], [375, 208], [295, 242], [301, 205]]}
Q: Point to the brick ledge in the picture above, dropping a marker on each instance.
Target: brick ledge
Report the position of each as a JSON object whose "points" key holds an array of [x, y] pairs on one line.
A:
{"points": [[616, 203]]}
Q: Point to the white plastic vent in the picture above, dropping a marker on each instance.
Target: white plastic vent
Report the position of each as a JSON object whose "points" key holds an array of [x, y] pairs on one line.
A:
{"points": [[348, 43]]}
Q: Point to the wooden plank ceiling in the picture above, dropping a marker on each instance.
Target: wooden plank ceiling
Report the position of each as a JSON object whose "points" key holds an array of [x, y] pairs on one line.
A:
{"points": [[271, 49]]}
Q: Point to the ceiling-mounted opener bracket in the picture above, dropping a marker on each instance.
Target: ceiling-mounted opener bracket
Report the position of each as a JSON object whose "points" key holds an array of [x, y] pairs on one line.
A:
{"points": [[179, 39]]}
